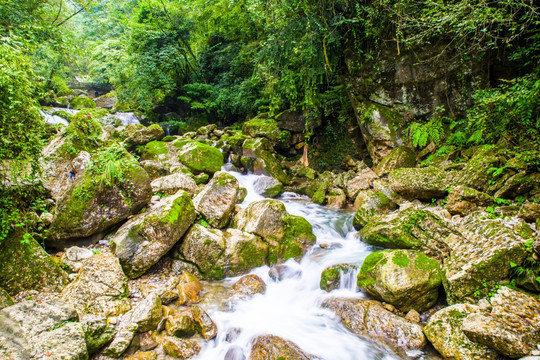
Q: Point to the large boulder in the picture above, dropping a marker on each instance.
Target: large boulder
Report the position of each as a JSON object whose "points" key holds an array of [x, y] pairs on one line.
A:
{"points": [[463, 200], [163, 153], [445, 331], [144, 239], [370, 203], [199, 157], [472, 271], [512, 327], [218, 254], [26, 266], [170, 184], [369, 318], [400, 157], [265, 347], [31, 330], [421, 183], [217, 200], [287, 235], [410, 229], [99, 288], [475, 174], [138, 135], [265, 128], [112, 187], [407, 279]]}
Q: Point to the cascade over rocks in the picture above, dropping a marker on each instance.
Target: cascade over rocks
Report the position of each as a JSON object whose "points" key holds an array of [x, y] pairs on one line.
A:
{"points": [[287, 235], [144, 239]]}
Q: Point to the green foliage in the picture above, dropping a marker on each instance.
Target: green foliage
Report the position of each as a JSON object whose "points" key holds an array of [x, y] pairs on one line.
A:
{"points": [[110, 165], [422, 134]]}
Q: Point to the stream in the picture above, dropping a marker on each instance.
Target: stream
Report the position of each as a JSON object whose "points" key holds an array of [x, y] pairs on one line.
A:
{"points": [[291, 308]]}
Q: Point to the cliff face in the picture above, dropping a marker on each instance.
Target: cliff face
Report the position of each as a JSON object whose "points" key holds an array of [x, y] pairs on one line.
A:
{"points": [[401, 86]]}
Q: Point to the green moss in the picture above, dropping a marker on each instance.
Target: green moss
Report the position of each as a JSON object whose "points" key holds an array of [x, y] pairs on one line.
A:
{"points": [[64, 115], [153, 149], [272, 165], [362, 217], [82, 102], [371, 261], [319, 197], [168, 138], [401, 259], [216, 272], [200, 157], [261, 127], [83, 133], [328, 277], [181, 206], [251, 256]]}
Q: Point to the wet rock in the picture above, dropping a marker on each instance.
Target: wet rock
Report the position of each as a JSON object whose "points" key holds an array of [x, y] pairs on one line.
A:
{"points": [[41, 328], [143, 355], [204, 324], [529, 211], [75, 256], [512, 327], [369, 318], [180, 325], [463, 200], [332, 276], [144, 239], [369, 204], [199, 157], [410, 229], [266, 163], [363, 181], [273, 347], [100, 287], [407, 279], [235, 353], [336, 199], [249, 285], [281, 272], [217, 200], [470, 266], [188, 289], [287, 235], [268, 186], [170, 184], [26, 266], [141, 135], [154, 169], [125, 332], [98, 332], [421, 183], [318, 188], [148, 313], [180, 348], [400, 157], [445, 331], [5, 299]]}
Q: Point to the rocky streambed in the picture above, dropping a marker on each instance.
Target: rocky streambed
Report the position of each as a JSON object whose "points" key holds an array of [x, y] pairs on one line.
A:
{"points": [[215, 245]]}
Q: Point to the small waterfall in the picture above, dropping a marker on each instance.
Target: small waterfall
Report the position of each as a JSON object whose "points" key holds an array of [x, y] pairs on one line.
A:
{"points": [[291, 308], [127, 118], [347, 280]]}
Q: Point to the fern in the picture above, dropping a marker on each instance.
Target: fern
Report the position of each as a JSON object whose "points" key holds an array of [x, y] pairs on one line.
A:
{"points": [[421, 134]]}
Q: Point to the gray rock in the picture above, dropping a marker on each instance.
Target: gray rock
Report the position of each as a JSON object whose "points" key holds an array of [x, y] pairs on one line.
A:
{"points": [[529, 211], [362, 181], [98, 332], [400, 157], [369, 318], [249, 285], [125, 332], [169, 185], [139, 135], [421, 183], [268, 186], [75, 256], [265, 347], [65, 342], [13, 344], [445, 331], [217, 200], [463, 200], [144, 239], [148, 313], [100, 287]]}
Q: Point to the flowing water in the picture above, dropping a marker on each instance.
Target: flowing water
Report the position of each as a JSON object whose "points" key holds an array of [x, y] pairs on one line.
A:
{"points": [[291, 308]]}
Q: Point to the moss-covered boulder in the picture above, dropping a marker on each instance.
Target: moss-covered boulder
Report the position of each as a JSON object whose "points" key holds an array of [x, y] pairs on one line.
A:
{"points": [[516, 185], [473, 271], [511, 327], [219, 254], [463, 200], [333, 276], [26, 266], [144, 239], [369, 318], [407, 279], [267, 164], [265, 347], [410, 229], [266, 128], [171, 184], [217, 200], [268, 186], [99, 288], [370, 203], [199, 157], [80, 102], [445, 331], [287, 235], [421, 183], [112, 187], [400, 157], [475, 174], [141, 136]]}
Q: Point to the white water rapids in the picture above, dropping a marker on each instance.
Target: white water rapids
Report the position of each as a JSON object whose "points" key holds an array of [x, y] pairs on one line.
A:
{"points": [[291, 308]]}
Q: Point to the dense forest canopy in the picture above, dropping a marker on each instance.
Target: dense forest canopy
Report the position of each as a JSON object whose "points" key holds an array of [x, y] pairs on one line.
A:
{"points": [[197, 62]]}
